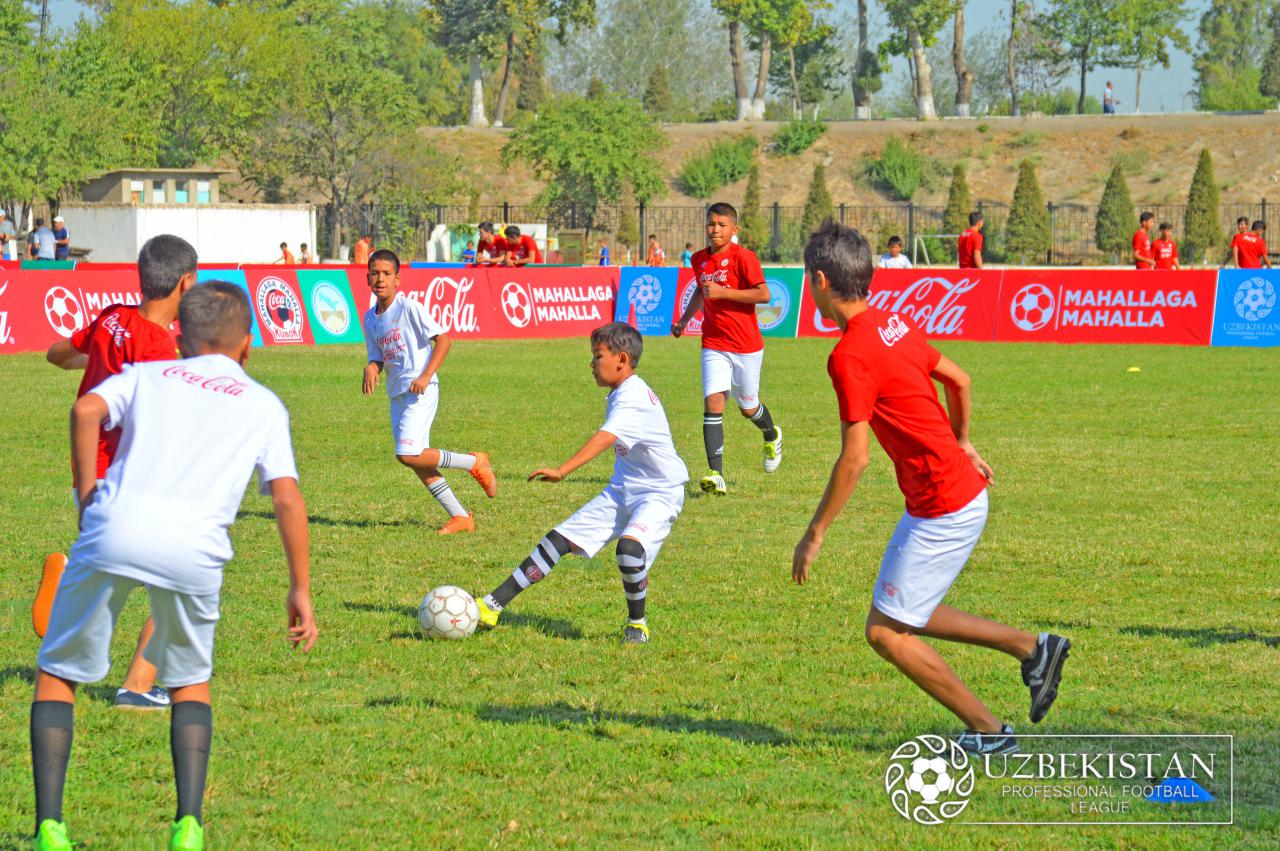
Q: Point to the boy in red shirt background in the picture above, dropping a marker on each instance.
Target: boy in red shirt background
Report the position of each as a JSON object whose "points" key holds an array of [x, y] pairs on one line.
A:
{"points": [[124, 334], [1142, 258], [521, 249], [1164, 249], [1250, 249], [969, 245], [883, 371]]}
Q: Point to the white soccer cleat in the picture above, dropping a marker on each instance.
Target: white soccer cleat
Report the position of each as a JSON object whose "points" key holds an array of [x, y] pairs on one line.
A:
{"points": [[773, 452]]}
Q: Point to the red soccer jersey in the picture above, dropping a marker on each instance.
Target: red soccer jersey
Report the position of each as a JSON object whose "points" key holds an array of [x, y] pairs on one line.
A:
{"points": [[1251, 249], [880, 370], [729, 326], [526, 247], [1166, 253], [497, 248], [120, 335], [1142, 247], [968, 246]]}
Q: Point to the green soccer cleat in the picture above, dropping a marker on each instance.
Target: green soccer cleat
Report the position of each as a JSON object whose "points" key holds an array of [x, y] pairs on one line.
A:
{"points": [[488, 615], [52, 836], [773, 452], [186, 835], [713, 483], [635, 633]]}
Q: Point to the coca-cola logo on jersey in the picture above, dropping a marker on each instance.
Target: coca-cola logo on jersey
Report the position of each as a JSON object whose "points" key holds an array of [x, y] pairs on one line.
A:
{"points": [[932, 302], [448, 305], [213, 383]]}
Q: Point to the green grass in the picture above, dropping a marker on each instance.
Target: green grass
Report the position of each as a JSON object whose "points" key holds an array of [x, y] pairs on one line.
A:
{"points": [[1134, 512]]}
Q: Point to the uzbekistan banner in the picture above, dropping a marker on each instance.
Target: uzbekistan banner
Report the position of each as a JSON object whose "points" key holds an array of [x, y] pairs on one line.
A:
{"points": [[647, 298], [1246, 312]]}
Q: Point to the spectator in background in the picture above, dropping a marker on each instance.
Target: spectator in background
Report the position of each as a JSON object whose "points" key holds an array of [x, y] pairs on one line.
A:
{"points": [[40, 242], [286, 256], [686, 258], [305, 257], [469, 256], [6, 235], [603, 256], [969, 245], [521, 250], [1142, 257], [1252, 251], [61, 239], [1164, 249], [1109, 100], [364, 247], [657, 257], [895, 259], [1242, 230], [491, 248]]}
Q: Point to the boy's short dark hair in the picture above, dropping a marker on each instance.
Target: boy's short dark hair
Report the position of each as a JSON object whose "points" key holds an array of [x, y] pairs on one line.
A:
{"points": [[1146, 217], [162, 262], [974, 218], [1243, 220], [486, 227], [653, 236], [688, 245], [214, 315], [619, 337], [512, 232], [387, 255], [842, 254], [721, 208], [895, 240], [39, 222], [1166, 226], [1259, 225]]}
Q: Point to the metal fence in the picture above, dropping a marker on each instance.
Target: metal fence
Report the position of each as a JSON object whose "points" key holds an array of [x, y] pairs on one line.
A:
{"points": [[1071, 225]]}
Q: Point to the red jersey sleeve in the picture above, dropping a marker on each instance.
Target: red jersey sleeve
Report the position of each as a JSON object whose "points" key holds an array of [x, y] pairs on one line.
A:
{"points": [[931, 357], [1138, 243], [750, 272], [977, 242], [855, 388], [80, 339]]}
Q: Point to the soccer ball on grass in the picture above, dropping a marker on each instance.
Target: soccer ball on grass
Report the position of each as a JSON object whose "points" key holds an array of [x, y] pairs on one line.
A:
{"points": [[448, 612]]}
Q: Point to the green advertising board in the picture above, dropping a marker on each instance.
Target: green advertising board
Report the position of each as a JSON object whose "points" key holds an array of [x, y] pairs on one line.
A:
{"points": [[780, 316], [327, 294]]}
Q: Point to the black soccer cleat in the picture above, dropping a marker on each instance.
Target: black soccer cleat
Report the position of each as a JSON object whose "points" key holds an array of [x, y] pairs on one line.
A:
{"points": [[1043, 671], [982, 744]]}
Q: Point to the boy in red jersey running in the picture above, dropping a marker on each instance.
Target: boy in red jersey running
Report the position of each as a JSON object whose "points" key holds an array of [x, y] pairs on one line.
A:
{"points": [[883, 372], [124, 334], [1142, 258], [730, 285], [1164, 249]]}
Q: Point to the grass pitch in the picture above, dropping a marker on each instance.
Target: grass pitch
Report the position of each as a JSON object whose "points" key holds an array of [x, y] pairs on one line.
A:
{"points": [[1134, 512]]}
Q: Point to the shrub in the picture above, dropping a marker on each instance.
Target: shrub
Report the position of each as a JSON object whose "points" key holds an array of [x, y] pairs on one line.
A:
{"points": [[1115, 223], [818, 205], [1027, 232], [955, 219], [900, 171], [1202, 230], [723, 163], [753, 233], [796, 137]]}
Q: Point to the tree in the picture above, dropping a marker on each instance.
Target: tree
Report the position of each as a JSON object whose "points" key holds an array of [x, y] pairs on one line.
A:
{"points": [[797, 27], [586, 151], [1151, 28], [1269, 85], [964, 77], [1015, 11], [471, 28], [868, 69], [817, 205], [752, 230], [916, 24], [597, 90], [657, 94], [955, 219], [628, 231], [1026, 233], [1087, 31], [1202, 230], [1113, 229], [1233, 42]]}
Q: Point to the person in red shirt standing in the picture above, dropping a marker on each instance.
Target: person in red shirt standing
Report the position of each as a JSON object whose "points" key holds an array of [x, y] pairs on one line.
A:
{"points": [[363, 248], [1251, 251], [656, 257], [490, 249], [521, 249], [1142, 256], [1164, 249], [883, 371], [730, 284], [1242, 229], [969, 245], [122, 335]]}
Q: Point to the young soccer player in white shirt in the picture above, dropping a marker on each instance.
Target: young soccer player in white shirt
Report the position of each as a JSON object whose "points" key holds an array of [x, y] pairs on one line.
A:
{"points": [[644, 495], [895, 259], [402, 338], [193, 432]]}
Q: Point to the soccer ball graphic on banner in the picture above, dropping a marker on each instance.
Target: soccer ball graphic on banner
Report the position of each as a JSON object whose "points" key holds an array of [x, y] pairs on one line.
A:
{"points": [[63, 311], [448, 612], [1032, 307], [516, 304], [645, 293], [1254, 299], [929, 779]]}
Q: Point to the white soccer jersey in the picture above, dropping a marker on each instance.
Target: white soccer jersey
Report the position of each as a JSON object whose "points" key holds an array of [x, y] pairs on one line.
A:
{"points": [[645, 456], [888, 261], [194, 431], [401, 339]]}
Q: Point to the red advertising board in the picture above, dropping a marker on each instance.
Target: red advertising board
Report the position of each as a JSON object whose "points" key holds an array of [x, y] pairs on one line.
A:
{"points": [[38, 308], [948, 304], [1106, 306], [277, 301], [685, 287]]}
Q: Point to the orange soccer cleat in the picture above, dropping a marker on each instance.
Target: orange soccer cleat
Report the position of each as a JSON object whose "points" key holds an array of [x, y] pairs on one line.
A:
{"points": [[458, 523], [482, 472], [54, 563]]}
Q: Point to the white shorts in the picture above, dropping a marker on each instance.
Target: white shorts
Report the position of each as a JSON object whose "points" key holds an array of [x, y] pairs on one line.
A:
{"points": [[647, 517], [725, 372], [75, 494], [77, 644], [411, 419], [925, 555]]}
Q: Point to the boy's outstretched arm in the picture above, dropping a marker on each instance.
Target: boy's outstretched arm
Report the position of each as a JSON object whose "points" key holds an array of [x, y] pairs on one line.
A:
{"points": [[956, 384], [291, 520], [854, 455], [597, 443], [695, 304], [63, 354], [87, 415], [440, 345]]}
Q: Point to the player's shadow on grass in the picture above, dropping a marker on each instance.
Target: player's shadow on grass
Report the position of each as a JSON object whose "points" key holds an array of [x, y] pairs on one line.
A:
{"points": [[1203, 637], [382, 608], [562, 714], [101, 693], [552, 627], [321, 520], [18, 672]]}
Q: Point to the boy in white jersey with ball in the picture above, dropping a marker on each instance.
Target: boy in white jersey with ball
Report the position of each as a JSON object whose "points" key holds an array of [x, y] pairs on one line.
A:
{"points": [[402, 338], [192, 434], [642, 500]]}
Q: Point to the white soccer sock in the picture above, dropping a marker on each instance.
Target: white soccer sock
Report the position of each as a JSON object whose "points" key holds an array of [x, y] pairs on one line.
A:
{"points": [[456, 460], [444, 495]]}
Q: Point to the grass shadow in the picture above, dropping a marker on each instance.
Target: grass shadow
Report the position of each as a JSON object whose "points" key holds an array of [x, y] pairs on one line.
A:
{"points": [[382, 608], [562, 714], [321, 520], [393, 700], [552, 627], [1203, 637], [26, 673]]}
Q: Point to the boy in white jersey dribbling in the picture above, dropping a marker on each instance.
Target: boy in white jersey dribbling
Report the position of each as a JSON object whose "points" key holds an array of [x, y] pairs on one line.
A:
{"points": [[402, 338], [644, 495]]}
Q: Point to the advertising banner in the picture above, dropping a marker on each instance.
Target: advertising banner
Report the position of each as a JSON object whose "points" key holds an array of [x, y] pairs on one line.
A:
{"points": [[277, 306], [327, 294], [646, 298], [38, 308], [688, 283], [1106, 306], [779, 317], [233, 276], [1246, 312], [947, 304]]}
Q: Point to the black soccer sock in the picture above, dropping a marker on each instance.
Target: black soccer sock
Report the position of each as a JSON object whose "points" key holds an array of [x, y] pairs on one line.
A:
{"points": [[544, 557], [52, 724], [635, 576], [713, 440], [764, 421], [190, 734]]}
